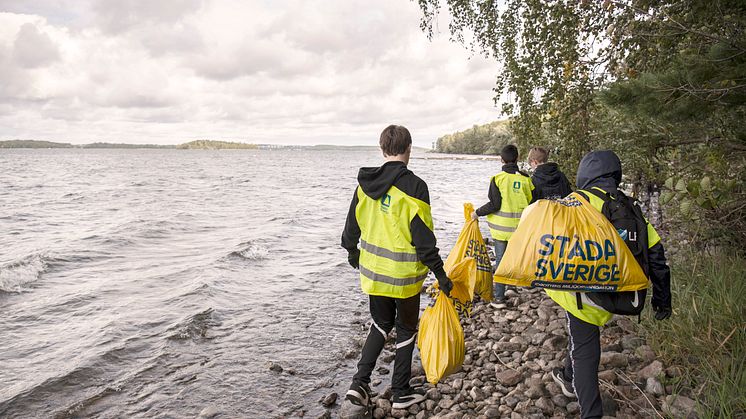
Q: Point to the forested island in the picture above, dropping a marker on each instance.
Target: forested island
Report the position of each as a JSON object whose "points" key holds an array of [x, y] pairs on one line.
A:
{"points": [[479, 139]]}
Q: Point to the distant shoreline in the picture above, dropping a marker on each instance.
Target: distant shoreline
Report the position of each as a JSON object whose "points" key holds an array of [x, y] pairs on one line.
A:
{"points": [[192, 145]]}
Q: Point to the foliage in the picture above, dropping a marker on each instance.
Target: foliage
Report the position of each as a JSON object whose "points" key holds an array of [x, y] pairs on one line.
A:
{"points": [[480, 139], [33, 144], [661, 82], [214, 145], [706, 336]]}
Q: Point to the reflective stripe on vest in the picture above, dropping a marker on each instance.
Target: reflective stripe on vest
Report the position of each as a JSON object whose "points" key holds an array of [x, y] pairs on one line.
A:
{"points": [[515, 191], [389, 265]]}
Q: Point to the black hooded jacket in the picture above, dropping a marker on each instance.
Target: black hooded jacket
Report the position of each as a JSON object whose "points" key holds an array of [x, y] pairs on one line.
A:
{"points": [[375, 182], [602, 169], [550, 182]]}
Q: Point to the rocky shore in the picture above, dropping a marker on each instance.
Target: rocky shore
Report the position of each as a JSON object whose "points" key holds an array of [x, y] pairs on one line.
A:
{"points": [[510, 353]]}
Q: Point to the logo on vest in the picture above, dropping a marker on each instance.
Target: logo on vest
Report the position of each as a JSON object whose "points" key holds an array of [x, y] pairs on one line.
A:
{"points": [[385, 203], [517, 185]]}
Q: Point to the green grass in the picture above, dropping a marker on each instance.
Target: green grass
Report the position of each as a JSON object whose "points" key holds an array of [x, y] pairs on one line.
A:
{"points": [[706, 335]]}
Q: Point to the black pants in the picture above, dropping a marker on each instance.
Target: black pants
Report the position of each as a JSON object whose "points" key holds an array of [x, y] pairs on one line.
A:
{"points": [[386, 313], [581, 366]]}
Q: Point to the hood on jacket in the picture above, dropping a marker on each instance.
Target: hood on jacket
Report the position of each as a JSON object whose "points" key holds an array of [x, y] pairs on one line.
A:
{"points": [[375, 181], [600, 169], [548, 174]]}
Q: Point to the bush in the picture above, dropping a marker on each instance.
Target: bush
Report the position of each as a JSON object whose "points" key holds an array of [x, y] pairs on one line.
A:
{"points": [[706, 336]]}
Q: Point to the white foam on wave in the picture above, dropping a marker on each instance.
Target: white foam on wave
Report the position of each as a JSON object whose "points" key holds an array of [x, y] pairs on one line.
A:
{"points": [[254, 252], [15, 275]]}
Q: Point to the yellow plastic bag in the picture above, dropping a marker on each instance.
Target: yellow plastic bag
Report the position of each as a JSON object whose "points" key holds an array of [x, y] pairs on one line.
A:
{"points": [[440, 339], [568, 245], [470, 244]]}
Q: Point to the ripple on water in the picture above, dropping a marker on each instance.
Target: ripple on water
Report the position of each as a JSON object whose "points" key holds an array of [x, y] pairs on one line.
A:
{"points": [[16, 275], [194, 327], [250, 251]]}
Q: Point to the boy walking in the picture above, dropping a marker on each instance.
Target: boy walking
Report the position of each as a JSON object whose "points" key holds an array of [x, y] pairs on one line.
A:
{"points": [[599, 175], [549, 181], [390, 218], [509, 193]]}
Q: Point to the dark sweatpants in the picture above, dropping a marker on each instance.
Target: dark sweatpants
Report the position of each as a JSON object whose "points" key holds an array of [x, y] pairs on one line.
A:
{"points": [[387, 312], [581, 366]]}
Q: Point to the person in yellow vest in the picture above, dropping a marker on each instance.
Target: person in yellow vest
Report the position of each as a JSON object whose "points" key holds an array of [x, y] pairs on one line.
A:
{"points": [[601, 171], [390, 219], [509, 193]]}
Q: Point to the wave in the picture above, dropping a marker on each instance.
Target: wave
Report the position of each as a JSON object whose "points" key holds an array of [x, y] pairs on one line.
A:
{"points": [[250, 251], [194, 327], [16, 274]]}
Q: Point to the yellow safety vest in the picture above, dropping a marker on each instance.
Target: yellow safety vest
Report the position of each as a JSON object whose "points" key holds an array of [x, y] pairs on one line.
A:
{"points": [[515, 190], [389, 265], [592, 313]]}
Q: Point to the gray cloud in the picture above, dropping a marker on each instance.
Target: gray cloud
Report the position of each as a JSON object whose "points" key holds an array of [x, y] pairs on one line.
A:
{"points": [[122, 15], [291, 71], [33, 48]]}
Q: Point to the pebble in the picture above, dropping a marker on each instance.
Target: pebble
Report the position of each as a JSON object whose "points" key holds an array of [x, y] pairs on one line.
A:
{"points": [[653, 370], [329, 400], [506, 371], [273, 366], [509, 377]]}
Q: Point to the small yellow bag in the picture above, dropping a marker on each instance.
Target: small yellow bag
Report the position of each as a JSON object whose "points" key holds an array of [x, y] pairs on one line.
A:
{"points": [[470, 244], [440, 339]]}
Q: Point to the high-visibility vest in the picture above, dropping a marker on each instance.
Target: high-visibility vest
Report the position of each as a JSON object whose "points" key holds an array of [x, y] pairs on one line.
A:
{"points": [[515, 190], [389, 265], [592, 313]]}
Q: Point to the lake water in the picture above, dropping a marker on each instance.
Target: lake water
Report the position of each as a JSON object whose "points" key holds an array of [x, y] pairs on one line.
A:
{"points": [[157, 283]]}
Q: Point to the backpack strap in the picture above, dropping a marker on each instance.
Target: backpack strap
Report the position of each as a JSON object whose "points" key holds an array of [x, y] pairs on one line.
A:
{"points": [[605, 196], [584, 195], [579, 300]]}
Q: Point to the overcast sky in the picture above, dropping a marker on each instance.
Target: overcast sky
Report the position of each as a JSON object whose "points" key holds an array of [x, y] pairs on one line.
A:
{"points": [[289, 72]]}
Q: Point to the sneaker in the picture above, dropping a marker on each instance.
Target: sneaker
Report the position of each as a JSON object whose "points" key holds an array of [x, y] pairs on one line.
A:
{"points": [[558, 375], [357, 403], [499, 303], [413, 396]]}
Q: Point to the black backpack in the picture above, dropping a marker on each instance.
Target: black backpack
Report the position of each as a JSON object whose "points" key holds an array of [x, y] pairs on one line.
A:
{"points": [[626, 216]]}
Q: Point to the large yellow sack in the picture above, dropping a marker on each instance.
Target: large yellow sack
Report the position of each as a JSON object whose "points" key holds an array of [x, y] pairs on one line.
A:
{"points": [[440, 339], [470, 244], [569, 245]]}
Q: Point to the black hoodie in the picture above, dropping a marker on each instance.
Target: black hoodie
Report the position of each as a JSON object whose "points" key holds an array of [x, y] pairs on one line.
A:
{"points": [[550, 182], [375, 182]]}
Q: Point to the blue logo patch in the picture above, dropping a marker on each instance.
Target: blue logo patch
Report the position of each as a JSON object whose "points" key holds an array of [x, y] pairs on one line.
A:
{"points": [[385, 202]]}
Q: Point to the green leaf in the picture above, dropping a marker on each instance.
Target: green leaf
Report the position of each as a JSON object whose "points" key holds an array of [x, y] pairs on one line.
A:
{"points": [[693, 188], [706, 184], [666, 197], [669, 183], [686, 207], [680, 186]]}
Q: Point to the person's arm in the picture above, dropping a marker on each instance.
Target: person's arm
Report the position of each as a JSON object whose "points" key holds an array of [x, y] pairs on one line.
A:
{"points": [[660, 276], [495, 200], [351, 234], [427, 250]]}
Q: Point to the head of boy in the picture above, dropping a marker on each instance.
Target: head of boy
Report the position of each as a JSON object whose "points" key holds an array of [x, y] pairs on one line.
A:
{"points": [[396, 143], [509, 154], [537, 156]]}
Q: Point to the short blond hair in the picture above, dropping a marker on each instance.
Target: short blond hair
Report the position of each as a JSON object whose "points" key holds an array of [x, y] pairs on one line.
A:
{"points": [[538, 154]]}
